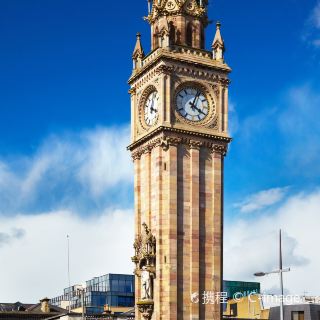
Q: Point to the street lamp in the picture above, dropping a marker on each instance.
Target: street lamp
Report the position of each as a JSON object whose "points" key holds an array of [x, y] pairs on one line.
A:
{"points": [[81, 292], [280, 271]]}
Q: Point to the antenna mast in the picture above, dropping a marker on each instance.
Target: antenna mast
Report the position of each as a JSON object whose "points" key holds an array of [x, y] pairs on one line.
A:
{"points": [[69, 282]]}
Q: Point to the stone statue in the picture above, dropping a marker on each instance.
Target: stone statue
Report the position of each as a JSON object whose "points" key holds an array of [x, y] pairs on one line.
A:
{"points": [[146, 284]]}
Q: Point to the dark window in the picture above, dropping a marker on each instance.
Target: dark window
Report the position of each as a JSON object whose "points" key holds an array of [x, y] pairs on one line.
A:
{"points": [[172, 33], [297, 315], [189, 34], [234, 309], [156, 38], [202, 38]]}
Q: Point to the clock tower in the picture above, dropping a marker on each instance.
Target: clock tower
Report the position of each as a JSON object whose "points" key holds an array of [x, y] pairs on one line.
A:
{"points": [[179, 114]]}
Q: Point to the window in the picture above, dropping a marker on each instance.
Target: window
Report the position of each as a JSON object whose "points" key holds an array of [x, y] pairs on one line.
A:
{"points": [[297, 315], [114, 285], [172, 33], [234, 309], [189, 34]]}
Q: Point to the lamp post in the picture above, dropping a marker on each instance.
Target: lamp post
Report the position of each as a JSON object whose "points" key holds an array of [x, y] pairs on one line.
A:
{"points": [[81, 293], [280, 272]]}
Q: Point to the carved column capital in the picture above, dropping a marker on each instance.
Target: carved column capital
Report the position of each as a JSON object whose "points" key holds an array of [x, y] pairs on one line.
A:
{"points": [[132, 91], [220, 149], [194, 144], [163, 69], [166, 142]]}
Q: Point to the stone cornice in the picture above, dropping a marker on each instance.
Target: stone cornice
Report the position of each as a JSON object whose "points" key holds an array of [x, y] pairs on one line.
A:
{"points": [[194, 57], [166, 137]]}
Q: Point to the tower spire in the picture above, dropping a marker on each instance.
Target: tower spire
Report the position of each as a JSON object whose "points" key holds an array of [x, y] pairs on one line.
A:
{"points": [[138, 53], [218, 44]]}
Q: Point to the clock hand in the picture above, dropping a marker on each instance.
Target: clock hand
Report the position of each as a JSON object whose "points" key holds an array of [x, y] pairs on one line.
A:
{"points": [[195, 100], [199, 110], [151, 108]]}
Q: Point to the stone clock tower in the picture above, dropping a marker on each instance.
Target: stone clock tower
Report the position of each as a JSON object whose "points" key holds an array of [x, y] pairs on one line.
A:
{"points": [[179, 111]]}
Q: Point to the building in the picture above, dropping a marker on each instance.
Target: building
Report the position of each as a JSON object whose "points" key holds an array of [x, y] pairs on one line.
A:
{"points": [[114, 290], [297, 312], [239, 289], [179, 138], [41, 310], [247, 307]]}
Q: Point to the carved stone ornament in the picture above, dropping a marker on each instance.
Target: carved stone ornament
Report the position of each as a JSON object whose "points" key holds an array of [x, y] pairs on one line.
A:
{"points": [[146, 308], [145, 251], [216, 143], [164, 69], [145, 268], [174, 7]]}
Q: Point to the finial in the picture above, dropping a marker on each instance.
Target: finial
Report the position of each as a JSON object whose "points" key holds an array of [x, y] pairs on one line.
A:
{"points": [[218, 44], [138, 53]]}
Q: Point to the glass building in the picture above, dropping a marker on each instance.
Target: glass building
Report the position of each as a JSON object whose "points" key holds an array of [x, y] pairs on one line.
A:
{"points": [[114, 290], [240, 288]]}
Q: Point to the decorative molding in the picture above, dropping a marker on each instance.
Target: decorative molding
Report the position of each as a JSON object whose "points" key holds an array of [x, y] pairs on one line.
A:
{"points": [[213, 77], [194, 59], [164, 69], [220, 149], [216, 90], [215, 123], [194, 144], [188, 139], [146, 308], [176, 7], [132, 91]]}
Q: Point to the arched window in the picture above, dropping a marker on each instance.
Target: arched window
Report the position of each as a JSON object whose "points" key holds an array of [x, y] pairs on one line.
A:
{"points": [[189, 34], [202, 37], [172, 33], [155, 44]]}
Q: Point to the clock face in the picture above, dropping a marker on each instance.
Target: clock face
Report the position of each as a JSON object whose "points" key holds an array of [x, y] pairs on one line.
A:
{"points": [[151, 109], [192, 104]]}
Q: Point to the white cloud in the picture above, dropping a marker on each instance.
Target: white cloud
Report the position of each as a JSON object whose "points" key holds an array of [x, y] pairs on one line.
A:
{"points": [[262, 200], [106, 160], [34, 265], [252, 245], [67, 170], [315, 17], [311, 32], [13, 234], [299, 125], [65, 173]]}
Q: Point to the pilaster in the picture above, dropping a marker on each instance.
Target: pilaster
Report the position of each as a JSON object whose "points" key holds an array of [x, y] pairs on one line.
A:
{"points": [[194, 221]]}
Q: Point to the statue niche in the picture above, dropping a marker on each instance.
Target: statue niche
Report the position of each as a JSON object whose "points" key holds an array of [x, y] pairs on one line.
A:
{"points": [[145, 262]]}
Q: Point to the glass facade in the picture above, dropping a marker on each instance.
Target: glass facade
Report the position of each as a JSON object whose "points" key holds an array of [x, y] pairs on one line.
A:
{"points": [[115, 290], [240, 288]]}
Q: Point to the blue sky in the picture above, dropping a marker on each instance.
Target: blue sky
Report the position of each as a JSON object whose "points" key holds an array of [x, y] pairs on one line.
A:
{"points": [[64, 116]]}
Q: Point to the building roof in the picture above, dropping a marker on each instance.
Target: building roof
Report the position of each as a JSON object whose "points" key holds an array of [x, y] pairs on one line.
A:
{"points": [[18, 310]]}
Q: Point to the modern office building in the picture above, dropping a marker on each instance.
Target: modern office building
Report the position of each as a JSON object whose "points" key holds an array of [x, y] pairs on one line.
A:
{"points": [[239, 289], [116, 291]]}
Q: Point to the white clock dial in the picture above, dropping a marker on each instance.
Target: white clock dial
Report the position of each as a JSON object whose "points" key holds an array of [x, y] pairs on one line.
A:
{"points": [[192, 104], [151, 109]]}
